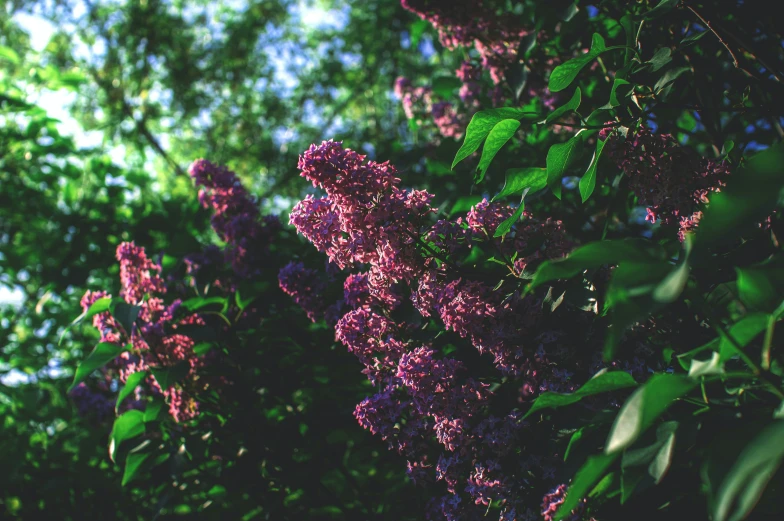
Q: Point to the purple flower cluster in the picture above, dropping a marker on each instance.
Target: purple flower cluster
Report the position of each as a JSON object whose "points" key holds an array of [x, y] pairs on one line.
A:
{"points": [[671, 180], [160, 336], [305, 286], [96, 404], [427, 400], [235, 216]]}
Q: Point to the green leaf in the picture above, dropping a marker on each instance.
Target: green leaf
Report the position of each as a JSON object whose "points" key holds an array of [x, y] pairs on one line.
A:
{"points": [[589, 475], [684, 359], [133, 465], [445, 85], [8, 54], [480, 126], [742, 332], [588, 180], [691, 39], [750, 195], [517, 78], [762, 286], [629, 297], [563, 75], [662, 8], [192, 304], [625, 89], [661, 58], [101, 305], [603, 382], [242, 303], [418, 28], [129, 425], [202, 348], [72, 80], [464, 204], [629, 301], [153, 411], [648, 464], [664, 84], [644, 407], [726, 148], [518, 179], [168, 376], [506, 226], [99, 357], [497, 138], [527, 44], [568, 12], [570, 106], [131, 383], [706, 367], [595, 255], [217, 491], [744, 484], [665, 434], [573, 441], [125, 314], [669, 289], [559, 158]]}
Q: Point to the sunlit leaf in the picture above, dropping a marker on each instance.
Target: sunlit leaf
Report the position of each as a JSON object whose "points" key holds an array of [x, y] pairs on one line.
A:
{"points": [[588, 180], [497, 138], [559, 158], [519, 179], [563, 75], [131, 383], [480, 126], [101, 355], [644, 407], [129, 425], [570, 106]]}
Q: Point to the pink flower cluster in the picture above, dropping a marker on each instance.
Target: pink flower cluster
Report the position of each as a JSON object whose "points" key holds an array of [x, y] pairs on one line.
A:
{"points": [[154, 340], [465, 23], [365, 218], [497, 41], [671, 180], [554, 499], [419, 106], [429, 407], [235, 217]]}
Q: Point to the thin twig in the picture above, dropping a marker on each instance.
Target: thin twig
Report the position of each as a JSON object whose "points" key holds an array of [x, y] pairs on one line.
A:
{"points": [[710, 27], [750, 51]]}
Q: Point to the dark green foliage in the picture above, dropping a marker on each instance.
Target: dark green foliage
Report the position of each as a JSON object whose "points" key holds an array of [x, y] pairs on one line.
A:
{"points": [[700, 438]]}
